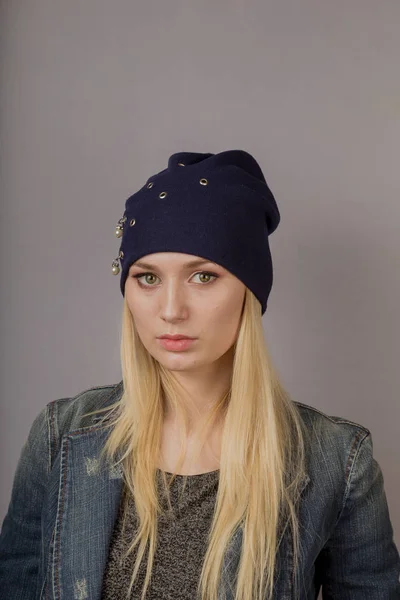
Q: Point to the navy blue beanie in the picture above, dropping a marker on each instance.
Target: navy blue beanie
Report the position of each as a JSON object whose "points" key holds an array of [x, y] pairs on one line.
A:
{"points": [[215, 206]]}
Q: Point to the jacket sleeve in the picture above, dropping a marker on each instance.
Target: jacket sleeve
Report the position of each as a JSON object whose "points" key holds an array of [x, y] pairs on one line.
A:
{"points": [[360, 560], [20, 537]]}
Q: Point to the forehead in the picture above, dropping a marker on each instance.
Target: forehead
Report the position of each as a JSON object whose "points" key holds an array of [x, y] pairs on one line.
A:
{"points": [[174, 259]]}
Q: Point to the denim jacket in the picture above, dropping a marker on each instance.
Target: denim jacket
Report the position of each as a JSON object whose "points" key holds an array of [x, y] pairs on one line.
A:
{"points": [[55, 536]]}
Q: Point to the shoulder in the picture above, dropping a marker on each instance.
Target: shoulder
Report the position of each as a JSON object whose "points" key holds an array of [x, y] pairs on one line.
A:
{"points": [[332, 442], [69, 414], [318, 421]]}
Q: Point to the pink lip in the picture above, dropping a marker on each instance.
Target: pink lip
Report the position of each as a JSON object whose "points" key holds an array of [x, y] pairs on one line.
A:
{"points": [[176, 336], [176, 345]]}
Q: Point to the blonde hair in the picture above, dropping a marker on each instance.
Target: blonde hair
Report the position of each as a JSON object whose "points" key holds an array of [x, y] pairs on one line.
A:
{"points": [[262, 458]]}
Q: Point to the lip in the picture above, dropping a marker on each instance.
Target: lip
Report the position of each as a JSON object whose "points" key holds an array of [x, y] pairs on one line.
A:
{"points": [[175, 336], [176, 345]]}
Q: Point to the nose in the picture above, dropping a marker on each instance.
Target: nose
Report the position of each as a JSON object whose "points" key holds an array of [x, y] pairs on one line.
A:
{"points": [[173, 302]]}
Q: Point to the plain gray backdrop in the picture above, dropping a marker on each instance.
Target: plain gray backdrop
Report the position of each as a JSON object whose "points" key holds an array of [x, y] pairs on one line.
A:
{"points": [[96, 95]]}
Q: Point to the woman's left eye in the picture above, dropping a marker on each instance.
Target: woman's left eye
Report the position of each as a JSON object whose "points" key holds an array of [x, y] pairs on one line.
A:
{"points": [[207, 274]]}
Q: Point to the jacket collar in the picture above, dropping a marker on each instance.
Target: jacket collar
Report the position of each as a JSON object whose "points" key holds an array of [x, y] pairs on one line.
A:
{"points": [[115, 396]]}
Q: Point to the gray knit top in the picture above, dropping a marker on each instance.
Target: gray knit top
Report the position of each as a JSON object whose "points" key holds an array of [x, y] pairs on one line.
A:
{"points": [[181, 543]]}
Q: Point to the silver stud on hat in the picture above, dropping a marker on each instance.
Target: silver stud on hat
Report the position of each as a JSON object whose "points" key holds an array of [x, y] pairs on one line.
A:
{"points": [[115, 264], [118, 232], [120, 227], [115, 267]]}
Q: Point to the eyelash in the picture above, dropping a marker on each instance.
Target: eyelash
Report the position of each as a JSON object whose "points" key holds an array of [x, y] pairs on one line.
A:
{"points": [[140, 275]]}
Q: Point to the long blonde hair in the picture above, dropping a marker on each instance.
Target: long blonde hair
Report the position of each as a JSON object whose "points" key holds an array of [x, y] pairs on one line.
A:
{"points": [[262, 460]]}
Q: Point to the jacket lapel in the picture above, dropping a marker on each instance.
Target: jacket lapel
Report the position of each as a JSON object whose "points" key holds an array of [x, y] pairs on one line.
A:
{"points": [[88, 501]]}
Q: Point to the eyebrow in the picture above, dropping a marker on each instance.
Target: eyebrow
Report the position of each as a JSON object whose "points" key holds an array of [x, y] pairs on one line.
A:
{"points": [[189, 265]]}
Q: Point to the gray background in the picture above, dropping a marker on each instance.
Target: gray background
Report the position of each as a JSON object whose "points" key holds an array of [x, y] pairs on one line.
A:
{"points": [[96, 95]]}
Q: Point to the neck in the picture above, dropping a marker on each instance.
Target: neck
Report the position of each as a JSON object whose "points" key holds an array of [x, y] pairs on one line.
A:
{"points": [[202, 390]]}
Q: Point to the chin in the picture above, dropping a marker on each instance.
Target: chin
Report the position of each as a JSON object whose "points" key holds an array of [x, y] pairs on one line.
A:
{"points": [[177, 361]]}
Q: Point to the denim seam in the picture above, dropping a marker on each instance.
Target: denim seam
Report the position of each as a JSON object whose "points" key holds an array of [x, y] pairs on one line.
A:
{"points": [[60, 509], [332, 418], [349, 470], [294, 582], [52, 433], [350, 467], [53, 448], [47, 420], [48, 423]]}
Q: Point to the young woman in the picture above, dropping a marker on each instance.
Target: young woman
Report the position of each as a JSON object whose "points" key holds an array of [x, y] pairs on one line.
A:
{"points": [[196, 476]]}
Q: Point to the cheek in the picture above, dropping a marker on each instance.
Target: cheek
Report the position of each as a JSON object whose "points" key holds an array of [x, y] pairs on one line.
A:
{"points": [[221, 325], [140, 315], [138, 303]]}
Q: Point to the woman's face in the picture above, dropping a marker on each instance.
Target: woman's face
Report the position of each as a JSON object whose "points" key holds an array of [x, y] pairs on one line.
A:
{"points": [[167, 293]]}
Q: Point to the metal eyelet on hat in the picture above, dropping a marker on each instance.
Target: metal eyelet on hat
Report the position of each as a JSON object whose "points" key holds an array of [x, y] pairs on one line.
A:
{"points": [[181, 164], [132, 222], [150, 185], [121, 254], [162, 195], [203, 181]]}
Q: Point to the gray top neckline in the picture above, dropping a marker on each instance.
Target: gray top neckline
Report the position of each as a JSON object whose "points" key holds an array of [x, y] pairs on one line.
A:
{"points": [[208, 473]]}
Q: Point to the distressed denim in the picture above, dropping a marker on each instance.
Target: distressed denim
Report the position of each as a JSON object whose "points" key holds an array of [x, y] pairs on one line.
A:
{"points": [[64, 502]]}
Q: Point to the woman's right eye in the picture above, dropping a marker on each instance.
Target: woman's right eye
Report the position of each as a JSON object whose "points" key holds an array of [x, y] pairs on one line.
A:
{"points": [[140, 275]]}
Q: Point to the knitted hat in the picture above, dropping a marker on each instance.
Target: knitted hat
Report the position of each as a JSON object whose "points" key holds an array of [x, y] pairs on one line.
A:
{"points": [[215, 206]]}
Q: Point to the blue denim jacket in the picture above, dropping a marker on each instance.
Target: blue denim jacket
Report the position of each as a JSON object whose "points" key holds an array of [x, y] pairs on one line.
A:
{"points": [[55, 536]]}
